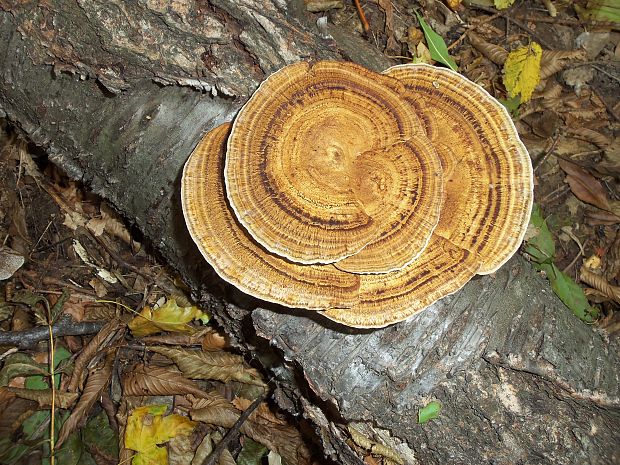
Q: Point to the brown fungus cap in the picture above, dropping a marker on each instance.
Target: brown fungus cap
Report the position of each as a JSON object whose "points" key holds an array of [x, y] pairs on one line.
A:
{"points": [[408, 204], [232, 252], [299, 162], [489, 178]]}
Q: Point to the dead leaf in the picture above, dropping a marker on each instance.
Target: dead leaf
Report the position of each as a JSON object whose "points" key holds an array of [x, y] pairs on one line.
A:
{"points": [[215, 341], [493, 52], [44, 396], [585, 186], [553, 61], [158, 381], [88, 352], [275, 433], [222, 366], [388, 10], [96, 382], [14, 412], [180, 339], [596, 138], [599, 283], [10, 262], [601, 217], [168, 317], [522, 71], [148, 428]]}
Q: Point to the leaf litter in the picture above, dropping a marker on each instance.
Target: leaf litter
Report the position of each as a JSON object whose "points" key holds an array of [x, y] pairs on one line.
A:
{"points": [[131, 359], [155, 356]]}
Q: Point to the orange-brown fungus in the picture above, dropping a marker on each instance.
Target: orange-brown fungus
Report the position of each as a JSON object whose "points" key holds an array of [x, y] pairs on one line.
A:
{"points": [[366, 196]]}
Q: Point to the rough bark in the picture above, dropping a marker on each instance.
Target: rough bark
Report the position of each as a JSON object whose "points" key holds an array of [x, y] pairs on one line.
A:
{"points": [[118, 93]]}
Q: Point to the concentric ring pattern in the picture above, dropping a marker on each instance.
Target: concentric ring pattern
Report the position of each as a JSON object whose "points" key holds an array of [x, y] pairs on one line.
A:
{"points": [[362, 195]]}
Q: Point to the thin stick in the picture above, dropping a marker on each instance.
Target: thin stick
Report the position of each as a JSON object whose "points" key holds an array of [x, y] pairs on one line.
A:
{"points": [[232, 433], [360, 13]]}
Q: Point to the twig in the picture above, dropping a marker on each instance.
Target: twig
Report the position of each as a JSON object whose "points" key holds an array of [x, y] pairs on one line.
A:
{"points": [[362, 16], [536, 164], [517, 23], [232, 433], [64, 327]]}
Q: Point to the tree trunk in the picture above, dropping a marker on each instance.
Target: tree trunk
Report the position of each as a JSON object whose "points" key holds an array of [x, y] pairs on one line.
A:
{"points": [[119, 92]]}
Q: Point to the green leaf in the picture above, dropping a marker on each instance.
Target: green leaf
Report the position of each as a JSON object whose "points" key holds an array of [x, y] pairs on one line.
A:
{"points": [[502, 4], [99, 435], [38, 382], [251, 453], [540, 246], [600, 10], [511, 104], [571, 294], [12, 453], [430, 412], [436, 45]]}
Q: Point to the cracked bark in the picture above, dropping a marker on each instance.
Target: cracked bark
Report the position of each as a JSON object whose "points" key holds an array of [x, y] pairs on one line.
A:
{"points": [[118, 93]]}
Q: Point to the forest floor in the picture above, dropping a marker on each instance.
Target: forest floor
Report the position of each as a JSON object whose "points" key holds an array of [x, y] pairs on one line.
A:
{"points": [[126, 329]]}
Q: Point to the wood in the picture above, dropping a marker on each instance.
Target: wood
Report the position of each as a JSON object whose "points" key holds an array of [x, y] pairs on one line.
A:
{"points": [[108, 89]]}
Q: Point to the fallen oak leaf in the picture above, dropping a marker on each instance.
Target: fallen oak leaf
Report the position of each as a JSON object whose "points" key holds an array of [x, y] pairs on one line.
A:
{"points": [[158, 381]]}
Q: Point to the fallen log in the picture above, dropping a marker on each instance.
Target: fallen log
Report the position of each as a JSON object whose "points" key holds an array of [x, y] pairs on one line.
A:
{"points": [[119, 93]]}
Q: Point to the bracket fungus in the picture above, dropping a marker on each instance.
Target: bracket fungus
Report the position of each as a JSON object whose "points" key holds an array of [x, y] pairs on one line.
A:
{"points": [[365, 196]]}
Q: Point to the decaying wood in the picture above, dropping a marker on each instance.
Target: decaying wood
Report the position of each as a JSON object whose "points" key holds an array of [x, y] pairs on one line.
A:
{"points": [[118, 93]]}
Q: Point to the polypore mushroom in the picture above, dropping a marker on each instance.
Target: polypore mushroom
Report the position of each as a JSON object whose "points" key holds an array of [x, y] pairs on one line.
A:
{"points": [[488, 172], [322, 161], [235, 256], [407, 203]]}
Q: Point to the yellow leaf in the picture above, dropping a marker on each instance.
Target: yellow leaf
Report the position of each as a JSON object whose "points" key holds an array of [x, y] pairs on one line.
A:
{"points": [[522, 71], [147, 428], [168, 317], [502, 4]]}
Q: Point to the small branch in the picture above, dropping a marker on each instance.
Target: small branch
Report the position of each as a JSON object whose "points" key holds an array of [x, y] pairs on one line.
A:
{"points": [[232, 433], [64, 327], [362, 16]]}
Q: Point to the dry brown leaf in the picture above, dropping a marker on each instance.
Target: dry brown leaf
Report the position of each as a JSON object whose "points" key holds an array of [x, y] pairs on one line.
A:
{"points": [[44, 396], [493, 52], [599, 283], [388, 9], [601, 217], [276, 434], [215, 341], [180, 339], [553, 61], [262, 426], [214, 409], [96, 382], [158, 381], [88, 352], [552, 89], [14, 412], [596, 138], [222, 366], [585, 186]]}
